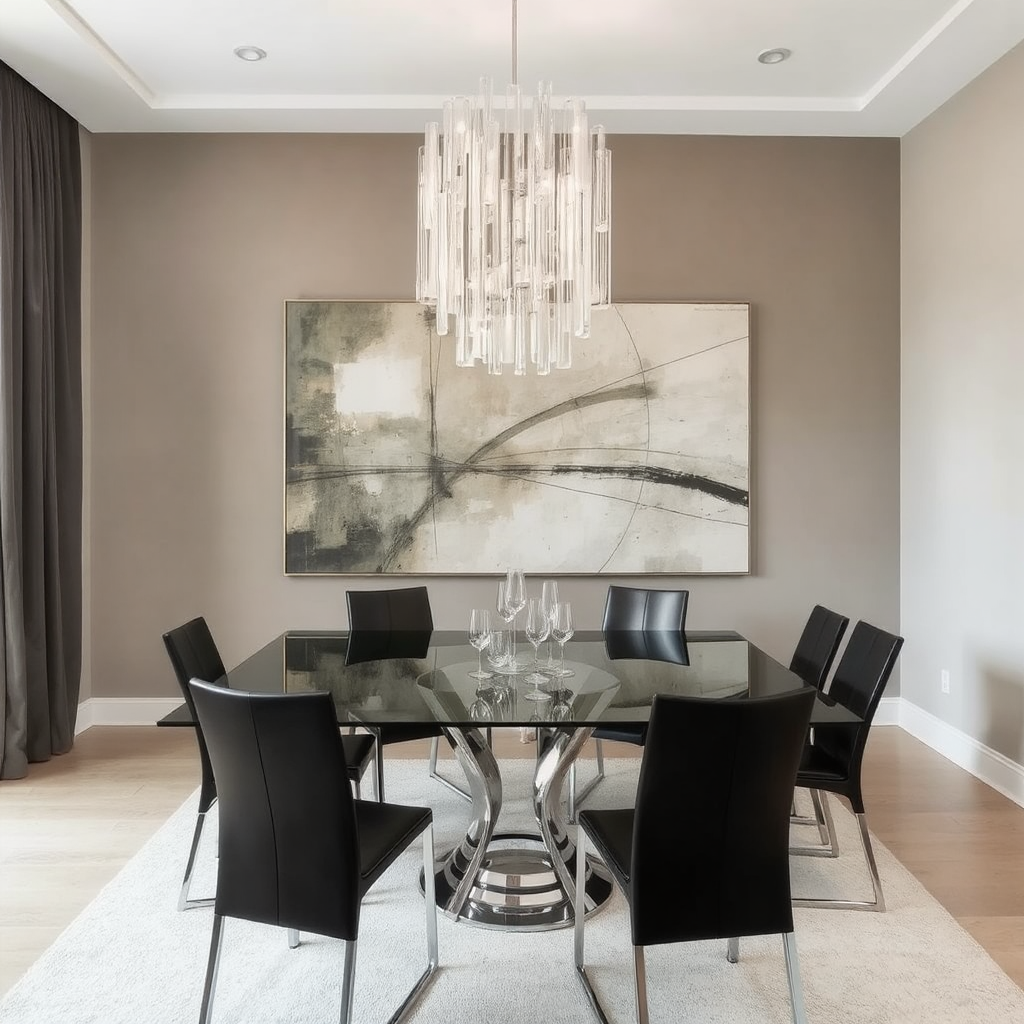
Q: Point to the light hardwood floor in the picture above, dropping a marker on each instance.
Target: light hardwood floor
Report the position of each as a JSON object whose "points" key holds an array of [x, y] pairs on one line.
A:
{"points": [[72, 824]]}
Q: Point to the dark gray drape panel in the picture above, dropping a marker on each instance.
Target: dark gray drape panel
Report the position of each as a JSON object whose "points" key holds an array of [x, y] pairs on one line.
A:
{"points": [[40, 426]]}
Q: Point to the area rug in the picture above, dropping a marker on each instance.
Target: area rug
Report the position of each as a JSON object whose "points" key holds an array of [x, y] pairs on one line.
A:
{"points": [[132, 958]]}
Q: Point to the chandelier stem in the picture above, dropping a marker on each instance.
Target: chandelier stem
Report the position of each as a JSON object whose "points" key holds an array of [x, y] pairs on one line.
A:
{"points": [[515, 42]]}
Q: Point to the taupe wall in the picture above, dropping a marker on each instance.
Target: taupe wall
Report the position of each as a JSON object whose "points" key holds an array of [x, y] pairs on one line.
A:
{"points": [[963, 410], [198, 239]]}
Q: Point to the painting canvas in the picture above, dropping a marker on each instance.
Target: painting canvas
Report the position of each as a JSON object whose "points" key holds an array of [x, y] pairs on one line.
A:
{"points": [[634, 461]]}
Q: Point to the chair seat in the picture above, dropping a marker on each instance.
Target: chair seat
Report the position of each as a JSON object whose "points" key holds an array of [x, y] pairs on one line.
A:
{"points": [[358, 754], [612, 834], [384, 831], [635, 734], [817, 765]]}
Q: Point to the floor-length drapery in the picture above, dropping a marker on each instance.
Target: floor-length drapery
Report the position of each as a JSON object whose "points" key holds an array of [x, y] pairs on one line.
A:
{"points": [[40, 426]]}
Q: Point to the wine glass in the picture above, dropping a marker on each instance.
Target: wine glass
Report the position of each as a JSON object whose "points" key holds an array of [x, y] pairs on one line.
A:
{"points": [[562, 630], [549, 598], [511, 601], [538, 629], [480, 637]]}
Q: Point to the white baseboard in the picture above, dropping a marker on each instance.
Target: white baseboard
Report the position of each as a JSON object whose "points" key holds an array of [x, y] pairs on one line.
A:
{"points": [[996, 770], [888, 712], [123, 711]]}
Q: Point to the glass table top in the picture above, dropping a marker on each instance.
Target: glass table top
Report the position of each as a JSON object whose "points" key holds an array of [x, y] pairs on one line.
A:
{"points": [[390, 678]]}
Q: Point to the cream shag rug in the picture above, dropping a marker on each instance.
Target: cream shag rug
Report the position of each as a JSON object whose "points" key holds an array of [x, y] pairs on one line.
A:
{"points": [[132, 958]]}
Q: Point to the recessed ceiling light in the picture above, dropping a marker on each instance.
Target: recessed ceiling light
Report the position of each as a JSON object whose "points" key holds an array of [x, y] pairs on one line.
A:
{"points": [[249, 53], [774, 56]]}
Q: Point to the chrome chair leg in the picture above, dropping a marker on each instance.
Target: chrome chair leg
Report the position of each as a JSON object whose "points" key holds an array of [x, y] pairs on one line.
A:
{"points": [[640, 973], [293, 938], [430, 896], [732, 951], [580, 902], [430, 899], [348, 978], [796, 994], [869, 856], [823, 819], [579, 913], [818, 820], [212, 967], [826, 829], [878, 903], [440, 778], [184, 903]]}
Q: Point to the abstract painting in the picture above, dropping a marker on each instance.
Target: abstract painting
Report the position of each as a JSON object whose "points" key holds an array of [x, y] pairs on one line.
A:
{"points": [[635, 461]]}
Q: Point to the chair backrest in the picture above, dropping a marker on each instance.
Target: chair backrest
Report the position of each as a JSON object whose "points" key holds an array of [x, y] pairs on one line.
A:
{"points": [[406, 609], [633, 608], [858, 684], [289, 852], [710, 852], [194, 655], [816, 649]]}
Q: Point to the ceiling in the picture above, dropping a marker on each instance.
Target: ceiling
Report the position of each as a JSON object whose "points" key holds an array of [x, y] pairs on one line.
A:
{"points": [[858, 67]]}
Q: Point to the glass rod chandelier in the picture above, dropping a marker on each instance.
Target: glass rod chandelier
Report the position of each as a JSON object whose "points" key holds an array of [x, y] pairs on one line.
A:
{"points": [[514, 227]]}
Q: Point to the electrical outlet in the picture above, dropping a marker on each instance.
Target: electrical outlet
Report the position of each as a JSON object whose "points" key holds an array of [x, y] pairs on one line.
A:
{"points": [[944, 678]]}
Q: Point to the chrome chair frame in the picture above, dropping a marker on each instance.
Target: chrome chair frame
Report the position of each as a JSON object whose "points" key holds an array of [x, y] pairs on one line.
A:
{"points": [[830, 848], [184, 903], [861, 676], [349, 968], [639, 964]]}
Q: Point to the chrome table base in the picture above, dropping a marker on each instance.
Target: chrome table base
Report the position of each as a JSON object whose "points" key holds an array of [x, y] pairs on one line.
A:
{"points": [[517, 881]]}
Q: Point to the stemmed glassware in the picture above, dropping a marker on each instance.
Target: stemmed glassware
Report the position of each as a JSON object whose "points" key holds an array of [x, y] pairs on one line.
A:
{"points": [[538, 629], [511, 601], [562, 630], [480, 637], [549, 598]]}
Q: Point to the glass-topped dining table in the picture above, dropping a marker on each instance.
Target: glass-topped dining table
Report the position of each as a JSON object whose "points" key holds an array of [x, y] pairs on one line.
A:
{"points": [[514, 880]]}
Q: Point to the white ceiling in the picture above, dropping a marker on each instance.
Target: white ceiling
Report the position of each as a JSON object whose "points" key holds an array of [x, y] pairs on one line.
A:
{"points": [[858, 67]]}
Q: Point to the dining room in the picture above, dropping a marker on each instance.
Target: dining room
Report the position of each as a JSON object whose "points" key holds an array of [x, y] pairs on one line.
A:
{"points": [[876, 272]]}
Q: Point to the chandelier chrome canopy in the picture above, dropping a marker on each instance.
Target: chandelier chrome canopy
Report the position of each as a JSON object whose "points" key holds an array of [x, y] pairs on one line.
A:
{"points": [[514, 227]]}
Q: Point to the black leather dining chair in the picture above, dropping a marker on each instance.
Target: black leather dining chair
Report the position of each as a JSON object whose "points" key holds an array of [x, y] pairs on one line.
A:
{"points": [[194, 655], [832, 761], [379, 622], [704, 853], [632, 613], [812, 660], [816, 649], [296, 850]]}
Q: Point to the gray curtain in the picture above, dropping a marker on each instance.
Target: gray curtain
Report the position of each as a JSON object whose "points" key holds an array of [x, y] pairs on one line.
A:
{"points": [[40, 426]]}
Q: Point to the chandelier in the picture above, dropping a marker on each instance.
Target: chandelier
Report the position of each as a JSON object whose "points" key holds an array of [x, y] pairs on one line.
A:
{"points": [[513, 227]]}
